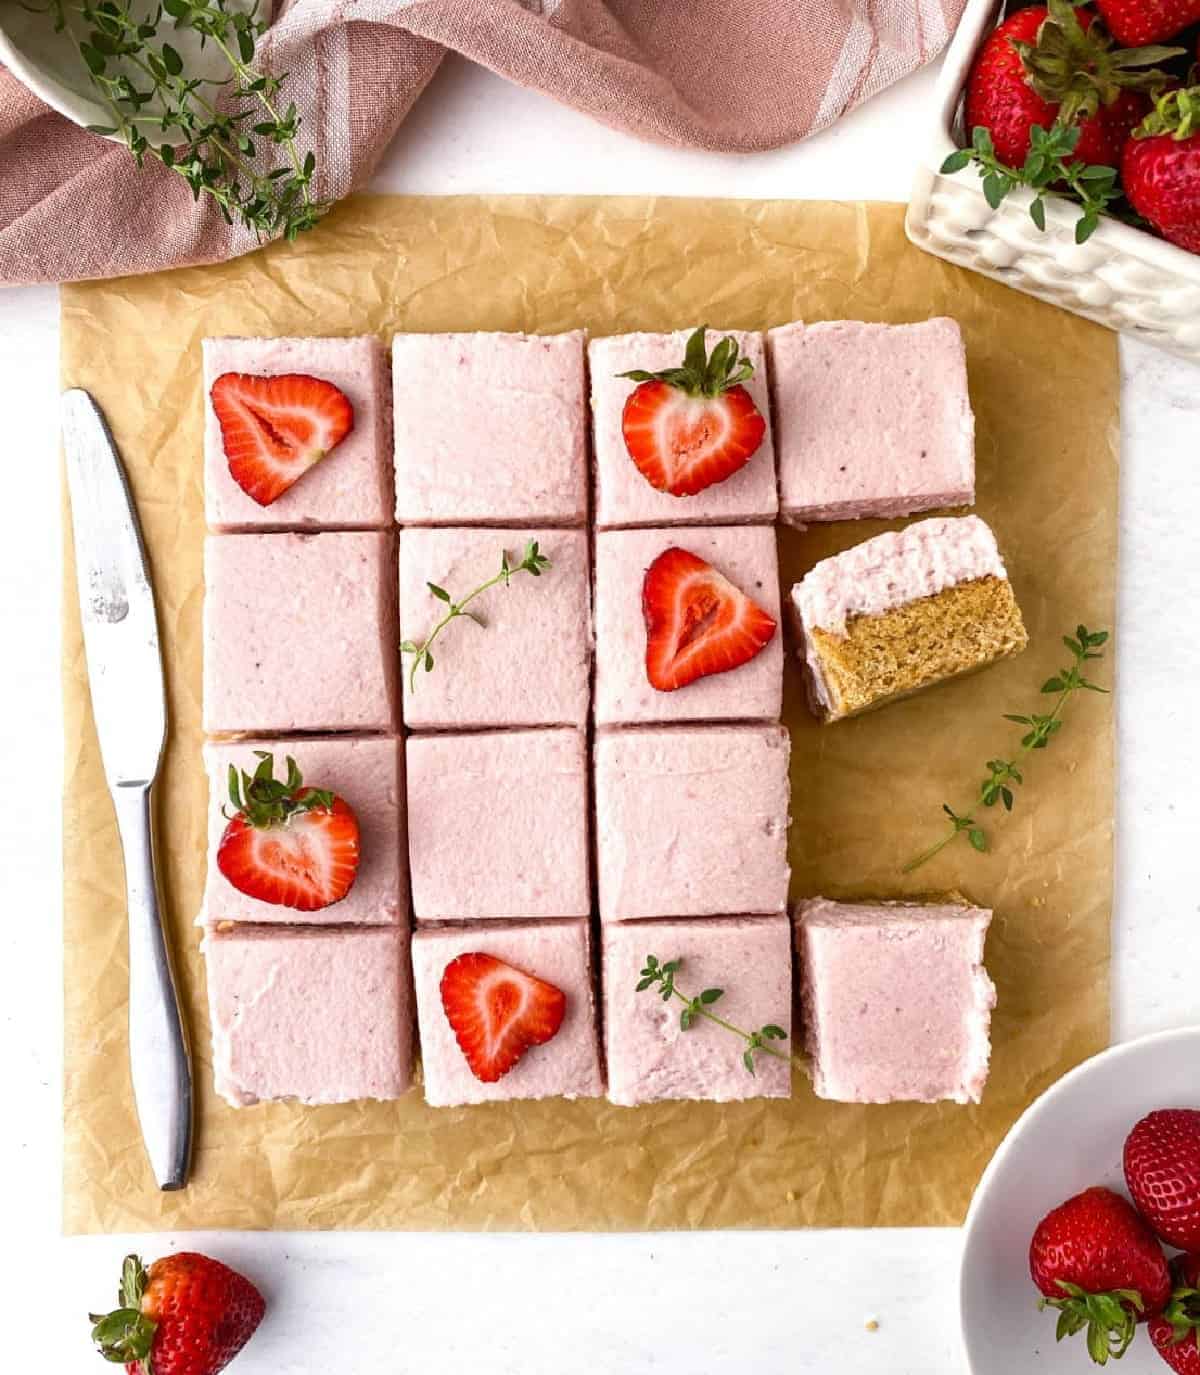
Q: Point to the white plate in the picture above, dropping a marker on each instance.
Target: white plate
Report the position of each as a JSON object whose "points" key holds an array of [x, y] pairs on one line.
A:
{"points": [[1070, 1138]]}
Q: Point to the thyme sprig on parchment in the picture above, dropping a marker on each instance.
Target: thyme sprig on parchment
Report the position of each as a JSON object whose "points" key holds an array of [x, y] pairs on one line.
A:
{"points": [[661, 977], [212, 130], [532, 562], [1004, 774]]}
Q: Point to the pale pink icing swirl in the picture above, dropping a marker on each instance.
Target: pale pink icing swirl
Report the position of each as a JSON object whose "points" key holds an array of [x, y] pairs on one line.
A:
{"points": [[895, 568]]}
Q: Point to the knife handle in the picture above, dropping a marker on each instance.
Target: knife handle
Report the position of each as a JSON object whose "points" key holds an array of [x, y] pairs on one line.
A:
{"points": [[158, 1054]]}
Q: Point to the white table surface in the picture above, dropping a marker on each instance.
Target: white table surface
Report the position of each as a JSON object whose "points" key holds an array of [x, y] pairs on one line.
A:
{"points": [[720, 1304]]}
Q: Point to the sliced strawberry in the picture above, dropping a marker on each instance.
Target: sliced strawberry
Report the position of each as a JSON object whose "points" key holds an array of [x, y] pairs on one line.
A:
{"points": [[498, 1012], [273, 429], [688, 427], [287, 844], [697, 621]]}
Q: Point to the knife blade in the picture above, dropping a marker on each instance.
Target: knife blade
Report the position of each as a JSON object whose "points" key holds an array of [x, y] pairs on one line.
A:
{"points": [[120, 638]]}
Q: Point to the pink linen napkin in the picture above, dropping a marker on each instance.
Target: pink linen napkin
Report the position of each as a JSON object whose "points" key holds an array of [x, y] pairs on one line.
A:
{"points": [[725, 75]]}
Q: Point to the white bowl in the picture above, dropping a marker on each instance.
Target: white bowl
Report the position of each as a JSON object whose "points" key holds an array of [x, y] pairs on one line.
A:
{"points": [[50, 65], [1121, 277], [1070, 1138]]}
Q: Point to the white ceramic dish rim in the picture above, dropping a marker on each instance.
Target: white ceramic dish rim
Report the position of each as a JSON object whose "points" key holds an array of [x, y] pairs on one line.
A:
{"points": [[1034, 1110], [974, 27]]}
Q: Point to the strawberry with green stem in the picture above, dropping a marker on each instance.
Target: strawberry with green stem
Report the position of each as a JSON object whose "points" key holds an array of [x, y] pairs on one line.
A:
{"points": [[1161, 168], [1175, 1333]]}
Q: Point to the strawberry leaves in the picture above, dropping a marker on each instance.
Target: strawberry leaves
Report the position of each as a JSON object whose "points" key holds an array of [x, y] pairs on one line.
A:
{"points": [[265, 800], [1110, 1319], [702, 374]]}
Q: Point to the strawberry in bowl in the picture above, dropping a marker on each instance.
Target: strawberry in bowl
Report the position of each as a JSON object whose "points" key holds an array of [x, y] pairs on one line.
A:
{"points": [[1161, 168], [691, 426], [285, 843]]}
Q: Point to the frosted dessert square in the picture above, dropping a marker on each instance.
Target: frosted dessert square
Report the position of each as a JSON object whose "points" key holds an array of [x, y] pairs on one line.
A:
{"points": [[896, 1001], [691, 821], [495, 1010], [529, 665], [498, 825], [368, 773], [300, 633], [871, 420], [623, 496], [322, 1015], [490, 429], [903, 611], [625, 693], [352, 485], [651, 1056]]}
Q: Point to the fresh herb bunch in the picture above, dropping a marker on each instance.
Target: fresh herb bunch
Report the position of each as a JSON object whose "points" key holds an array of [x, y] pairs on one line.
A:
{"points": [[532, 561], [1003, 774], [213, 130], [265, 800], [661, 977], [1047, 167]]}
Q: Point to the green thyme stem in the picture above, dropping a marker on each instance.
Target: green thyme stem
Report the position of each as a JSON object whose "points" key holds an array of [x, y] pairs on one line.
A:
{"points": [[1004, 774], [661, 978], [532, 562]]}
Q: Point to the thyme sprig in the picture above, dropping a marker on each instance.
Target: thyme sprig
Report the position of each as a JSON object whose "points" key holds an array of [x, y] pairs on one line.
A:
{"points": [[661, 977], [532, 562], [1048, 166], [212, 129], [1004, 774]]}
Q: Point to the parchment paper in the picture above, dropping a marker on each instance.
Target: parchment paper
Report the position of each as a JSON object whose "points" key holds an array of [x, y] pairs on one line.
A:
{"points": [[866, 794]]}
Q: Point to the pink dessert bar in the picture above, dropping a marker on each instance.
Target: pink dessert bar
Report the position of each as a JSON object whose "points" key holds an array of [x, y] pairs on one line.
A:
{"points": [[368, 772], [498, 825], [352, 485], [650, 1056], [490, 429], [871, 420], [321, 1015], [557, 952], [692, 821], [747, 556], [896, 1001], [531, 666], [623, 496], [300, 633]]}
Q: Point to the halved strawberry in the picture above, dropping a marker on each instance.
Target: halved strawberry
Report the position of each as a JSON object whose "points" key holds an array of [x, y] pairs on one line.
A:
{"points": [[273, 429], [697, 621], [498, 1012], [287, 844], [688, 427]]}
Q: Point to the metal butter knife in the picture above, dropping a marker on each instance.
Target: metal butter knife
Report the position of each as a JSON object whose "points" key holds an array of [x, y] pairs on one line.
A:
{"points": [[120, 637]]}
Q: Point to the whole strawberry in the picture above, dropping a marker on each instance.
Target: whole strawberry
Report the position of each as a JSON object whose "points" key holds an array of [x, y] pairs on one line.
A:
{"points": [[1162, 1170], [1176, 1332], [186, 1315], [1045, 65], [1096, 1261], [1161, 168], [1147, 21]]}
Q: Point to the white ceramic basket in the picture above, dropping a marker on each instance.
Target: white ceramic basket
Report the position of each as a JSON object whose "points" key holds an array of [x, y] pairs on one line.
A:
{"points": [[1121, 277]]}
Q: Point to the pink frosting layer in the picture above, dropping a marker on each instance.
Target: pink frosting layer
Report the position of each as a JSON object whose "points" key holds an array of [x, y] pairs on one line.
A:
{"points": [[490, 428], [895, 568], [692, 821], [897, 1003], [567, 1066], [872, 420], [324, 1016], [498, 825], [650, 1057]]}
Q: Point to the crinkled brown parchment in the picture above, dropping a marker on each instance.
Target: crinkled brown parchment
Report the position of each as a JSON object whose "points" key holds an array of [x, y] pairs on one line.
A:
{"points": [[866, 793]]}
